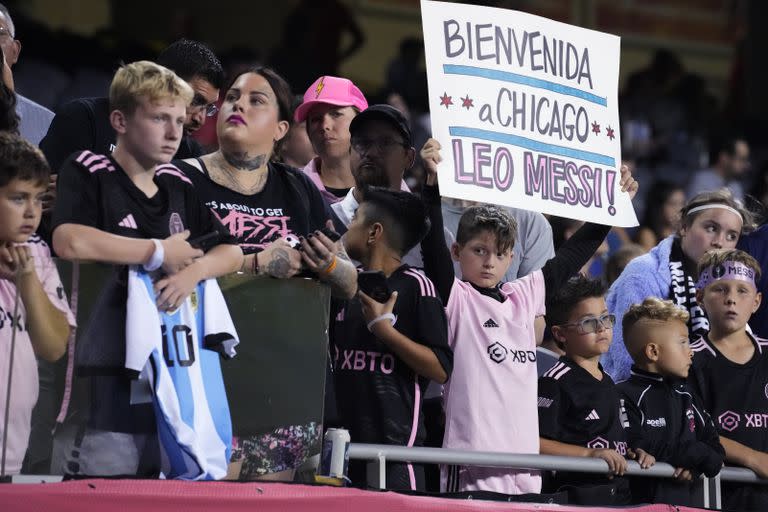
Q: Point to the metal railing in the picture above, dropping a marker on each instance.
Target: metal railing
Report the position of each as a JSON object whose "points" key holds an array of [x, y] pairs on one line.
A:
{"points": [[379, 454]]}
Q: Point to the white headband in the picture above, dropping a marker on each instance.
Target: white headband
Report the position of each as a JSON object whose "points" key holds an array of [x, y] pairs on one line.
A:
{"points": [[715, 205]]}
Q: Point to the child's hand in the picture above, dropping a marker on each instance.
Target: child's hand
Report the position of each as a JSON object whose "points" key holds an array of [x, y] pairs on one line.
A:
{"points": [[430, 155], [642, 457], [15, 261], [373, 309], [682, 475], [617, 464], [173, 290], [627, 182]]}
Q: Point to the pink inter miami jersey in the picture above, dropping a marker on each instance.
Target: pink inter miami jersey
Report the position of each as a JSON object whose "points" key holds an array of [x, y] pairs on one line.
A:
{"points": [[490, 399], [24, 384]]}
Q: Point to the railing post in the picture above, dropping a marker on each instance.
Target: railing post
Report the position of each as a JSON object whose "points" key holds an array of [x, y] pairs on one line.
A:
{"points": [[376, 471], [718, 496], [382, 471], [705, 486]]}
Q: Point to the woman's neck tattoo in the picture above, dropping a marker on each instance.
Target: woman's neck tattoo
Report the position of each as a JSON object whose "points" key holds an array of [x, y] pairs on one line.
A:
{"points": [[244, 162]]}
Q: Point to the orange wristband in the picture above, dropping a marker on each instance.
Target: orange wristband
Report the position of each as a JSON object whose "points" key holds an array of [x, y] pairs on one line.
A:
{"points": [[331, 266]]}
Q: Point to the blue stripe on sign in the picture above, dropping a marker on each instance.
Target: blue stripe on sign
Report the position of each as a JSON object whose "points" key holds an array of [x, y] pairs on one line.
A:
{"points": [[506, 76], [523, 142]]}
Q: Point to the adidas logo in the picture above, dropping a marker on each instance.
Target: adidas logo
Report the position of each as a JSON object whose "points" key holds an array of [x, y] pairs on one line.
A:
{"points": [[592, 416], [128, 222], [490, 323]]}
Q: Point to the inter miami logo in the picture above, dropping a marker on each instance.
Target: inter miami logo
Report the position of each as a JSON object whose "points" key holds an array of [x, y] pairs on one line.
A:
{"points": [[497, 352], [718, 271], [729, 421], [175, 225], [599, 443]]}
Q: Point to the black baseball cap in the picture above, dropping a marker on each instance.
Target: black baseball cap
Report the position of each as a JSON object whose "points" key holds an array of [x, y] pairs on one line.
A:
{"points": [[386, 113]]}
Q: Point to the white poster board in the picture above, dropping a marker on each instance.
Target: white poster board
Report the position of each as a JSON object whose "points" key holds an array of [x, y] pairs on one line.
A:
{"points": [[526, 111]]}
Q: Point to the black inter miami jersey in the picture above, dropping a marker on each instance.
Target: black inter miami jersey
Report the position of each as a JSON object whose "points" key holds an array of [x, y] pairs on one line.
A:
{"points": [[576, 408], [94, 191], [379, 396], [736, 395]]}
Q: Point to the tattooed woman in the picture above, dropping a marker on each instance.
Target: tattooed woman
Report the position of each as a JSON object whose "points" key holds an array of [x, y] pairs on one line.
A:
{"points": [[271, 209]]}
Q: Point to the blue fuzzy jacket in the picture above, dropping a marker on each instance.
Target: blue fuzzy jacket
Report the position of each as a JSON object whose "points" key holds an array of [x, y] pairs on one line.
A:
{"points": [[645, 276]]}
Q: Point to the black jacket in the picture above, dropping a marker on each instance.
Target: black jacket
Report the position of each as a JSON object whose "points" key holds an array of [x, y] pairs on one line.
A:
{"points": [[669, 422]]}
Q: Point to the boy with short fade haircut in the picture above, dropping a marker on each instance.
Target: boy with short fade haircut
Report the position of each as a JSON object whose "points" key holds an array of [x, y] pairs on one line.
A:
{"points": [[491, 330], [133, 208], [34, 309], [385, 354], [665, 418], [730, 369], [580, 412]]}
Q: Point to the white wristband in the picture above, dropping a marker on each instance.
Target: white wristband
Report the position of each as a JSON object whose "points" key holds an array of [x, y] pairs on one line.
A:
{"points": [[386, 316], [157, 258]]}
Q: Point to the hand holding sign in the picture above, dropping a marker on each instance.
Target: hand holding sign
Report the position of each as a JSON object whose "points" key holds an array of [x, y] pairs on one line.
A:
{"points": [[430, 157], [527, 110], [628, 183]]}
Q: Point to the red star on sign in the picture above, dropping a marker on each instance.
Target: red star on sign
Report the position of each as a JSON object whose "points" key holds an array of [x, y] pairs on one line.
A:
{"points": [[445, 100], [467, 102], [609, 133], [595, 127]]}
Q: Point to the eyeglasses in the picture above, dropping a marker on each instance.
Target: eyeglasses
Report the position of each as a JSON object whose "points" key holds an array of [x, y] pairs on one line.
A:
{"points": [[198, 102], [590, 325], [381, 145]]}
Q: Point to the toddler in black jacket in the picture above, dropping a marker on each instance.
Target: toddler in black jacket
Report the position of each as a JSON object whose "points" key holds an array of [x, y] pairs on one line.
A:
{"points": [[665, 418]]}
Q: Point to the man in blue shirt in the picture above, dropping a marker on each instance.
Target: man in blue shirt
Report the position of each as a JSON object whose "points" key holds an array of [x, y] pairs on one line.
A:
{"points": [[34, 119]]}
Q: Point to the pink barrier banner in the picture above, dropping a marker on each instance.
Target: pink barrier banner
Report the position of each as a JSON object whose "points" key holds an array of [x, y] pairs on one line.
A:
{"points": [[171, 496]]}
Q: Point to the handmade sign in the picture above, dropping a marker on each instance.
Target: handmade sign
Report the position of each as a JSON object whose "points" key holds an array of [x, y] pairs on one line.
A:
{"points": [[526, 111]]}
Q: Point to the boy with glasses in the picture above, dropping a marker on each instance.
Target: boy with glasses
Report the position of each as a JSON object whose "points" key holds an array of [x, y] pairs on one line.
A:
{"points": [[665, 419], [580, 412]]}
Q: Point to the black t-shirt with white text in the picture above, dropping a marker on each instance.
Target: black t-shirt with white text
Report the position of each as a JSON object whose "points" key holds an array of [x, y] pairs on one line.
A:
{"points": [[288, 206]]}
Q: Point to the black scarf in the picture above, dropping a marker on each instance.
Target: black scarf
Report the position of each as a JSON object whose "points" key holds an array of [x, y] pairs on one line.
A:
{"points": [[682, 290]]}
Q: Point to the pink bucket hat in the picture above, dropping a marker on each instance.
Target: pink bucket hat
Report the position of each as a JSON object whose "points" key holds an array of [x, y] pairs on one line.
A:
{"points": [[331, 90]]}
